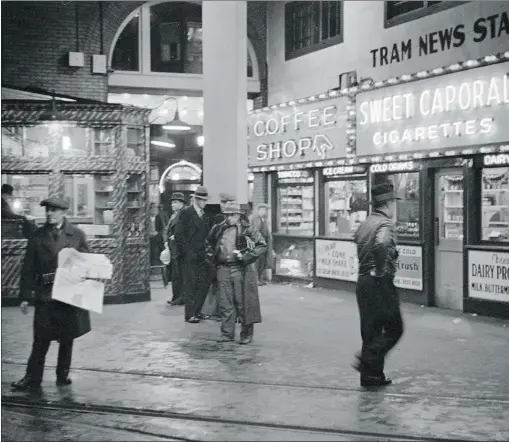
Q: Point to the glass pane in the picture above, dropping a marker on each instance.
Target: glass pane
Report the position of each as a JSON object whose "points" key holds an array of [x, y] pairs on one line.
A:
{"points": [[126, 52], [103, 199], [346, 206], [407, 214], [294, 257], [29, 191], [295, 210], [398, 8], [79, 194], [135, 145], [451, 202], [495, 204], [38, 140], [104, 142], [194, 61], [12, 141], [74, 141]]}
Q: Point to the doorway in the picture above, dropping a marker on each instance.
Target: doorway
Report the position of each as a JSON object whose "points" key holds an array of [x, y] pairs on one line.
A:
{"points": [[449, 186]]}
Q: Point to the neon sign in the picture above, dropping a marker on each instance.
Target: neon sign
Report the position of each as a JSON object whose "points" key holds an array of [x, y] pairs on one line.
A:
{"points": [[496, 160], [343, 170], [393, 167]]}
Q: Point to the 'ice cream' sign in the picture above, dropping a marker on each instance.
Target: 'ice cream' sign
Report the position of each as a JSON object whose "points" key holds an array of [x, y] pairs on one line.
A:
{"points": [[460, 109], [303, 132]]}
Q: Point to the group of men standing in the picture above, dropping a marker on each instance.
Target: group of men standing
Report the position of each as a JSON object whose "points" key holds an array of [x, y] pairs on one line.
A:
{"points": [[217, 257]]}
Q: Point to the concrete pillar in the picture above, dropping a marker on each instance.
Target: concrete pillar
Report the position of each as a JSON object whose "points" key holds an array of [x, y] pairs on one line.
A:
{"points": [[225, 97]]}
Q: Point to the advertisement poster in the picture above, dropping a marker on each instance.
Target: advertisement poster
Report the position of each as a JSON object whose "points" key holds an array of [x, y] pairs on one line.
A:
{"points": [[338, 260], [488, 275]]}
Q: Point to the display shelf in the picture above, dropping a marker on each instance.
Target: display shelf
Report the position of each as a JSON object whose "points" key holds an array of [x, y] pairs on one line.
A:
{"points": [[495, 204], [452, 201]]}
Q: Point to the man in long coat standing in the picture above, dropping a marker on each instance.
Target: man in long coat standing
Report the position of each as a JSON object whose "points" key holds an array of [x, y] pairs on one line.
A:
{"points": [[234, 248], [190, 235], [177, 203], [261, 225], [53, 320]]}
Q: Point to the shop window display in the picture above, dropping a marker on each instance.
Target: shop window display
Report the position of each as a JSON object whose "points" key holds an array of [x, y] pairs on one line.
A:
{"points": [[451, 206], [296, 210], [407, 213], [294, 257], [346, 206], [495, 204]]}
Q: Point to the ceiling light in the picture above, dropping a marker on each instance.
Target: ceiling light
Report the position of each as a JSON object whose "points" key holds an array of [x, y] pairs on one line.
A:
{"points": [[158, 143]]}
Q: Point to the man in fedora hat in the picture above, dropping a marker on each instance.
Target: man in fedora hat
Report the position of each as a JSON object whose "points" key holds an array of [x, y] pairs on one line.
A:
{"points": [[377, 298], [175, 267], [53, 320], [261, 225], [234, 248], [190, 235]]}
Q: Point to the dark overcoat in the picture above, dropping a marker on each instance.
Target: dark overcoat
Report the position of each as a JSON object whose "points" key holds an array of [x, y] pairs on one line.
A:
{"points": [[53, 320], [252, 246], [190, 235]]}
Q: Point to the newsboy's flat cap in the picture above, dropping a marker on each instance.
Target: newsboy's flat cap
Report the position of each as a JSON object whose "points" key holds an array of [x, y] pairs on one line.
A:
{"points": [[55, 203]]}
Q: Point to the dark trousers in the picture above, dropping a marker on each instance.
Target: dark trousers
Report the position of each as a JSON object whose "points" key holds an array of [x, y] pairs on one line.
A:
{"points": [[40, 347], [381, 322], [230, 281], [261, 266], [195, 284], [176, 279]]}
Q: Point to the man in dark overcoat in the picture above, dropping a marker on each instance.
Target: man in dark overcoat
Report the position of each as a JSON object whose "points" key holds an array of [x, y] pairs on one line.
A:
{"points": [[53, 320], [377, 297], [261, 225], [177, 204], [190, 235], [234, 248]]}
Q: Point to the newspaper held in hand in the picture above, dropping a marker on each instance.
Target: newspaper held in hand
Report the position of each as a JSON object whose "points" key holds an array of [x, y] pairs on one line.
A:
{"points": [[79, 279]]}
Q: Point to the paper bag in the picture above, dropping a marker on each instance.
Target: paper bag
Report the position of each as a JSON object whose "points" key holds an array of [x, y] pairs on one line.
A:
{"points": [[79, 279]]}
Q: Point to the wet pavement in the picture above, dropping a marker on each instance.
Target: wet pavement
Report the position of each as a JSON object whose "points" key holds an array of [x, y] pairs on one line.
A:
{"points": [[144, 374]]}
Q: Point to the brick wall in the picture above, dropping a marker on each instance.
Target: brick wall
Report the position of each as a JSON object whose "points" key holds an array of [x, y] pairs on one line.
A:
{"points": [[37, 36]]}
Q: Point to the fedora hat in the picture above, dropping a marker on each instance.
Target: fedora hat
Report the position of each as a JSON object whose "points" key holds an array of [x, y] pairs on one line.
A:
{"points": [[381, 193], [231, 208], [177, 196], [55, 203], [225, 197], [201, 193]]}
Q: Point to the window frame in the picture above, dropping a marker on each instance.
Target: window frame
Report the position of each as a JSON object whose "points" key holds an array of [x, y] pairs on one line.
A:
{"points": [[419, 13], [321, 44]]}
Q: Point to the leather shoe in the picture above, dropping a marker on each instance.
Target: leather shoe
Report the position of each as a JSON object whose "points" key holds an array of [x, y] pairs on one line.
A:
{"points": [[374, 381], [63, 382], [193, 320], [246, 340], [225, 338], [26, 384]]}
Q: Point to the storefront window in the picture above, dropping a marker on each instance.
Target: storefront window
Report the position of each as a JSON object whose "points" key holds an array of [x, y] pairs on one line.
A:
{"points": [[346, 206], [495, 204], [295, 208], [29, 191], [294, 257], [451, 206], [407, 214], [79, 194]]}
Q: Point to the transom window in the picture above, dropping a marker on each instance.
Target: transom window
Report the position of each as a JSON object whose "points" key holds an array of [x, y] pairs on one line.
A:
{"points": [[175, 40], [312, 25], [397, 12]]}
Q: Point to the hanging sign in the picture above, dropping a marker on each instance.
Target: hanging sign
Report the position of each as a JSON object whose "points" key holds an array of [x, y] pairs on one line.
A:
{"points": [[460, 109], [488, 275], [338, 260], [501, 159], [310, 131], [343, 170], [295, 176]]}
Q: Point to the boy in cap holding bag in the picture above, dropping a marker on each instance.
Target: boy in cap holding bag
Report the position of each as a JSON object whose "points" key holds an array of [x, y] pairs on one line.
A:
{"points": [[53, 320], [234, 248]]}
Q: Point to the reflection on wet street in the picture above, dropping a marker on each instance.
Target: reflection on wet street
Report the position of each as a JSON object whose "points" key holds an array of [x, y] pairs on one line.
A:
{"points": [[143, 374]]}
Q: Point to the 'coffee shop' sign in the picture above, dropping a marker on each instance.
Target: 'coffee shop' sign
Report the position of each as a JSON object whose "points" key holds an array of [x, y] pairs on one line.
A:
{"points": [[461, 109], [311, 131]]}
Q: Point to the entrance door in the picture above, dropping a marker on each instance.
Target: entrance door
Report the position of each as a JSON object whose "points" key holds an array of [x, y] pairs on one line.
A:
{"points": [[449, 238]]}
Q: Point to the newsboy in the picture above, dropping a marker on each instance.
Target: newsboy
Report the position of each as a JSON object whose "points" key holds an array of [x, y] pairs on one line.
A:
{"points": [[234, 248], [53, 320]]}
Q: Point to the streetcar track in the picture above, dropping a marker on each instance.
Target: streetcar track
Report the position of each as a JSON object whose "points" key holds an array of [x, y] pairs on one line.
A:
{"points": [[106, 427], [274, 384], [9, 401]]}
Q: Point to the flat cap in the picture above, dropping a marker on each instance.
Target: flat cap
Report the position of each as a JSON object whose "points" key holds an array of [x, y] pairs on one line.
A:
{"points": [[55, 203]]}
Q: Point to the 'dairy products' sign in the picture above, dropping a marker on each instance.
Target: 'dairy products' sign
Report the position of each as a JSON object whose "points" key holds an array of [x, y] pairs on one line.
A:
{"points": [[311, 131], [338, 260], [464, 109], [488, 275]]}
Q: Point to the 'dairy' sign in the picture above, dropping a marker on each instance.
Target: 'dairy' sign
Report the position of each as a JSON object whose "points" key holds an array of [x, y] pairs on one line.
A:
{"points": [[488, 275], [310, 131], [459, 109], [338, 260]]}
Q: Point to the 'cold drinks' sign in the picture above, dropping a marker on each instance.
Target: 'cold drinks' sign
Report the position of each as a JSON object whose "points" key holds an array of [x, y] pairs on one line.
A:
{"points": [[304, 132], [460, 109]]}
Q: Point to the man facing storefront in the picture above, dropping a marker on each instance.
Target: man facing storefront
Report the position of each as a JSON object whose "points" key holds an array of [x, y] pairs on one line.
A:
{"points": [[377, 298]]}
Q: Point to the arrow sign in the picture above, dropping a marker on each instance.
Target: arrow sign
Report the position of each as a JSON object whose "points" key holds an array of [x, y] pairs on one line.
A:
{"points": [[322, 144]]}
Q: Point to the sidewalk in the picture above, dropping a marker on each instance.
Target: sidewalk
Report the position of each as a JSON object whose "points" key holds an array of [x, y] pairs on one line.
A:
{"points": [[450, 370]]}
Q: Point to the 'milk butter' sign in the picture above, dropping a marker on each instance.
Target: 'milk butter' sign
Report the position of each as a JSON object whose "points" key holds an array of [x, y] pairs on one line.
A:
{"points": [[305, 132], [461, 109]]}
